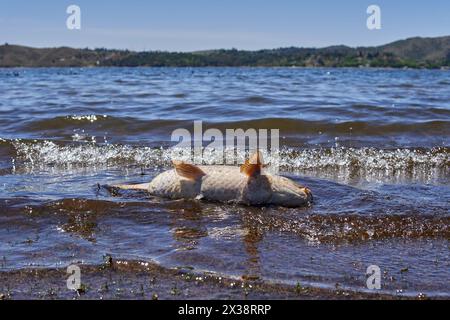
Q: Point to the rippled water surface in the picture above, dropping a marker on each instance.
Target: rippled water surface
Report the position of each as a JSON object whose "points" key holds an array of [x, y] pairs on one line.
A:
{"points": [[372, 145]]}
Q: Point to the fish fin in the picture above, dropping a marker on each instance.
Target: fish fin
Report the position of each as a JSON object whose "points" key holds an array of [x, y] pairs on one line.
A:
{"points": [[188, 171], [256, 158], [252, 166], [142, 186]]}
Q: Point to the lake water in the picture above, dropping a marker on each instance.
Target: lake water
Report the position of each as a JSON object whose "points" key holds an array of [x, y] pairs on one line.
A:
{"points": [[373, 145]]}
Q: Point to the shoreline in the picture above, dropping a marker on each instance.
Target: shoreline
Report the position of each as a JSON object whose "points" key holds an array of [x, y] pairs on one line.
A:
{"points": [[125, 279], [415, 53], [441, 68]]}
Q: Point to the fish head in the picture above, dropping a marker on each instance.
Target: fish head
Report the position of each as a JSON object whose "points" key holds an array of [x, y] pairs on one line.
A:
{"points": [[288, 193]]}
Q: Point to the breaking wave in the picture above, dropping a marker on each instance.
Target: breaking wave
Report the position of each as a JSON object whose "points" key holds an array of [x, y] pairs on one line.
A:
{"points": [[419, 162]]}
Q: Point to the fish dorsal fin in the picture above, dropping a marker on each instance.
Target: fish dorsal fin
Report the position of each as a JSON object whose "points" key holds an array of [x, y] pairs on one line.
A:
{"points": [[252, 167], [188, 171]]}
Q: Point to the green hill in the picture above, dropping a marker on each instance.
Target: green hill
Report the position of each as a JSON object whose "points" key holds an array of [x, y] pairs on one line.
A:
{"points": [[414, 52]]}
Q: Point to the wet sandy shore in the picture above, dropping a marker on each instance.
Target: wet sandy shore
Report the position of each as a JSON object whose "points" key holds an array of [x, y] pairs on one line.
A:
{"points": [[142, 280]]}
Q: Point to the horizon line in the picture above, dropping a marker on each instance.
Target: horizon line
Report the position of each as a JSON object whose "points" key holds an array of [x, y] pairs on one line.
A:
{"points": [[217, 49]]}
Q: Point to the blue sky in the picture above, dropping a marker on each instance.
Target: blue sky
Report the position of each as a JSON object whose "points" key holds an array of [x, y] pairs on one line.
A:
{"points": [[190, 25]]}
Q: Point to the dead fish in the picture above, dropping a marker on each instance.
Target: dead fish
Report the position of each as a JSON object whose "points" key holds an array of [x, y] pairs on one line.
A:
{"points": [[247, 184]]}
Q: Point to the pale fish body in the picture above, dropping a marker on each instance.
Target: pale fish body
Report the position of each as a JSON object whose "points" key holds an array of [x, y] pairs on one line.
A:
{"points": [[227, 184]]}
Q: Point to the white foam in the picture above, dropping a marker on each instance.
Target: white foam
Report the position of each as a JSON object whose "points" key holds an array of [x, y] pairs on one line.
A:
{"points": [[345, 161]]}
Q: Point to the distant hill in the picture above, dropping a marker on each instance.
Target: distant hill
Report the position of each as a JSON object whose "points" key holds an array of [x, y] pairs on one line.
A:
{"points": [[414, 53]]}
